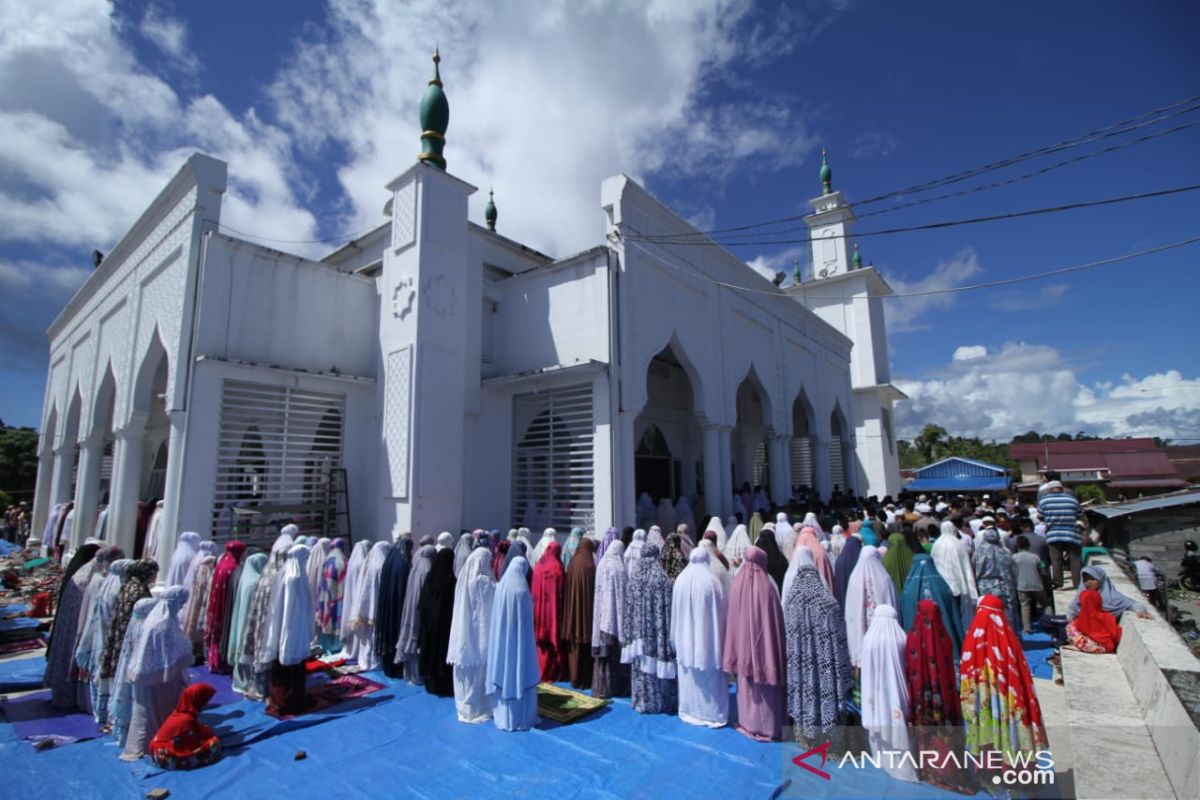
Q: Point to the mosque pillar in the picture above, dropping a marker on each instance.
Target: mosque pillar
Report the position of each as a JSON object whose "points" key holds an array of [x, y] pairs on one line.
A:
{"points": [[42, 503], [87, 489], [171, 484], [821, 476], [713, 487], [127, 477], [60, 486], [725, 465], [781, 491], [625, 490]]}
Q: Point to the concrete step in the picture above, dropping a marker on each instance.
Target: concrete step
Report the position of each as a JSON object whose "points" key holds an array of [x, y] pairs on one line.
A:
{"points": [[1112, 753]]}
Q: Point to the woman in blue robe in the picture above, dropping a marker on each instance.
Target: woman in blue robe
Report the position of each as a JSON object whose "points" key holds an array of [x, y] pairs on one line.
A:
{"points": [[513, 672], [924, 583]]}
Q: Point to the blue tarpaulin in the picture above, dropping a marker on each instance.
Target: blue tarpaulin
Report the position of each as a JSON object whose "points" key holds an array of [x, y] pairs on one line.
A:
{"points": [[952, 485]]}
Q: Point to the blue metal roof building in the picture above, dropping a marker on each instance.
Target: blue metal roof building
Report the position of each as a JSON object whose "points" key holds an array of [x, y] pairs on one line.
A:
{"points": [[957, 474]]}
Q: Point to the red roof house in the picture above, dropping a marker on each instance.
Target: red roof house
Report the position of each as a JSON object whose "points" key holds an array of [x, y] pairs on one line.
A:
{"points": [[1122, 467]]}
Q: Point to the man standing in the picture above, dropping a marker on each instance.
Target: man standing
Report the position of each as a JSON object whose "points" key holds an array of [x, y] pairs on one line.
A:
{"points": [[1060, 510], [1029, 583]]}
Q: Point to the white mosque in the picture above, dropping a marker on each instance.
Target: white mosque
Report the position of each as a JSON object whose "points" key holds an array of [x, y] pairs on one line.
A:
{"points": [[435, 375]]}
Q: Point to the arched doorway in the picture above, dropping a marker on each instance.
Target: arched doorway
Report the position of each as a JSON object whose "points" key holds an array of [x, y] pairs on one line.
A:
{"points": [[840, 455], [750, 446], [669, 456], [803, 422]]}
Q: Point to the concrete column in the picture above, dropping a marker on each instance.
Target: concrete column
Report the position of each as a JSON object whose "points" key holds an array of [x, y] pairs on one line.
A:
{"points": [[87, 489], [713, 487], [725, 437], [625, 491], [60, 486], [41, 493], [780, 469], [171, 485], [821, 477], [123, 498]]}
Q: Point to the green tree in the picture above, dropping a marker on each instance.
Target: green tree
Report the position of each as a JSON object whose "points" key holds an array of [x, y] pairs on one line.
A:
{"points": [[1089, 491], [18, 461], [930, 442]]}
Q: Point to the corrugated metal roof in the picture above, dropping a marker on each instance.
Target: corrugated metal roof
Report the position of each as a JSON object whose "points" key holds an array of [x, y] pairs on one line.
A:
{"points": [[1019, 451], [966, 484], [957, 466], [1148, 504]]}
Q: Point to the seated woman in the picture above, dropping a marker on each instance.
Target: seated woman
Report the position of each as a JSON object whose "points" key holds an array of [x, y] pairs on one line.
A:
{"points": [[1093, 630], [1111, 600], [183, 742]]}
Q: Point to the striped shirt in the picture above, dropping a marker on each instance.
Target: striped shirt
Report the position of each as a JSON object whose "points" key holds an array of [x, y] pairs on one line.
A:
{"points": [[1059, 511]]}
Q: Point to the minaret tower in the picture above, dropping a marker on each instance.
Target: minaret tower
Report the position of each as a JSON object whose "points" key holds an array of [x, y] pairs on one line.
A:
{"points": [[423, 336]]}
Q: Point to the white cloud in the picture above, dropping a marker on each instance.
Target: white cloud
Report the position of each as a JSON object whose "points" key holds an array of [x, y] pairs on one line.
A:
{"points": [[1021, 387], [86, 143], [970, 352], [874, 143], [903, 312], [24, 277], [541, 108], [169, 34], [1029, 298]]}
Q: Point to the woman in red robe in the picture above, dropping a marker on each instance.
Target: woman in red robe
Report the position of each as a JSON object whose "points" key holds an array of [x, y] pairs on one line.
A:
{"points": [[1094, 630], [183, 742], [549, 582]]}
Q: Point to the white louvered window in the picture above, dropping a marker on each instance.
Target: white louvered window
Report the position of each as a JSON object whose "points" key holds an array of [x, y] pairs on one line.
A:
{"points": [[553, 474], [837, 463], [762, 465], [275, 450], [802, 462]]}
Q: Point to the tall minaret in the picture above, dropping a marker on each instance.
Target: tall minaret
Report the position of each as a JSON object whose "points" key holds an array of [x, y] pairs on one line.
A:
{"points": [[423, 336], [829, 227], [850, 298]]}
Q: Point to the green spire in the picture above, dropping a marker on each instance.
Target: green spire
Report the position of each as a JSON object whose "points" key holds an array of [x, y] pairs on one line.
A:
{"points": [[435, 118], [797, 274], [857, 257], [489, 212], [826, 174]]}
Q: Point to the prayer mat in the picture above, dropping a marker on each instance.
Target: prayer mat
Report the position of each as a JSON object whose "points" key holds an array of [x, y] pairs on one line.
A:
{"points": [[332, 692], [20, 646], [564, 705], [34, 719]]}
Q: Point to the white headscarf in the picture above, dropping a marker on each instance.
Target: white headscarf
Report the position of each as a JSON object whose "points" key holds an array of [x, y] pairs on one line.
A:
{"points": [[292, 623], [735, 548], [801, 556], [316, 565], [811, 521], [720, 570], [472, 620], [444, 539], [716, 527], [655, 537], [356, 567], [462, 550], [633, 553], [869, 587], [953, 562], [885, 691], [186, 549], [549, 535], [162, 651], [612, 577], [698, 615], [837, 540]]}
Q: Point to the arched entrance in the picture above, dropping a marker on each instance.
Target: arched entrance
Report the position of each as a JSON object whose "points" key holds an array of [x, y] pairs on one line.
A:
{"points": [[750, 445], [803, 423], [841, 464], [669, 456]]}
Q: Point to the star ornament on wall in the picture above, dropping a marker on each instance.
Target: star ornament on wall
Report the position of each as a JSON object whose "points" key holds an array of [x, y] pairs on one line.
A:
{"points": [[402, 299], [440, 295]]}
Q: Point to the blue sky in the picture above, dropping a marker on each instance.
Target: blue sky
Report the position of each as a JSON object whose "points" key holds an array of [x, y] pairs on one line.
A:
{"points": [[719, 107]]}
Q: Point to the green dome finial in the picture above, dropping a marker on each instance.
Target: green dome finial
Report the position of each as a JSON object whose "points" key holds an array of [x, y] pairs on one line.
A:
{"points": [[857, 257], [435, 118], [826, 174], [489, 212], [797, 274]]}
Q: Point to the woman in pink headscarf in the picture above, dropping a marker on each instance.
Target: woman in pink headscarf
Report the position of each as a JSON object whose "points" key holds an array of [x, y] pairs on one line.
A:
{"points": [[808, 538], [755, 648]]}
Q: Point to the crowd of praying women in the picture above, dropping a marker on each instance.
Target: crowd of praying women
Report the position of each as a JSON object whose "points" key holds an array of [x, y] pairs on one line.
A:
{"points": [[911, 638]]}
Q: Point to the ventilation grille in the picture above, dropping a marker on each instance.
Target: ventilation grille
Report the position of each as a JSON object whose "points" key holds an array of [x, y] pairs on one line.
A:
{"points": [[275, 449], [802, 462], [553, 469]]}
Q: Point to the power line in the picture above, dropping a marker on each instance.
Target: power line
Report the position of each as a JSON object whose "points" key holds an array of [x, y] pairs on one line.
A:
{"points": [[1125, 126], [933, 225], [695, 272]]}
